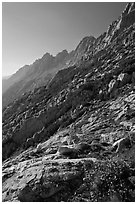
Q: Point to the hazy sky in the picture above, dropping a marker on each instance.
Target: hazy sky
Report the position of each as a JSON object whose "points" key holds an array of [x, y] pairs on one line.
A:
{"points": [[31, 29]]}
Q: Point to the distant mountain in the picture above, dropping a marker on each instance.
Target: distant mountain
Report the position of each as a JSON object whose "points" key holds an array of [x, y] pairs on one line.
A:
{"points": [[42, 71], [14, 78], [4, 82], [32, 76]]}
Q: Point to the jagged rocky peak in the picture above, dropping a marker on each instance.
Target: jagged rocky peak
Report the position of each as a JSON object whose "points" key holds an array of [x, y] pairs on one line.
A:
{"points": [[85, 47], [129, 8], [116, 28], [63, 52], [47, 56], [126, 19], [61, 55], [87, 39], [85, 42], [82, 50]]}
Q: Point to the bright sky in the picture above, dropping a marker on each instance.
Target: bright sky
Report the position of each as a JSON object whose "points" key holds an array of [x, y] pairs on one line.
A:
{"points": [[29, 30]]}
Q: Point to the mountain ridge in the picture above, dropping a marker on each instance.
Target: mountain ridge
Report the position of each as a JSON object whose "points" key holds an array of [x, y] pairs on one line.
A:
{"points": [[32, 76], [81, 51], [73, 139]]}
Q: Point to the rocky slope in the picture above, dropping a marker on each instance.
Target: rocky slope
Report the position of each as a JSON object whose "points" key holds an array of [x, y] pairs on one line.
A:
{"points": [[74, 139]]}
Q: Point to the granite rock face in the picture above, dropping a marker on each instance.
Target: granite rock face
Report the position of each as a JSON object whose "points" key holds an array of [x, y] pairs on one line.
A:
{"points": [[73, 140]]}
